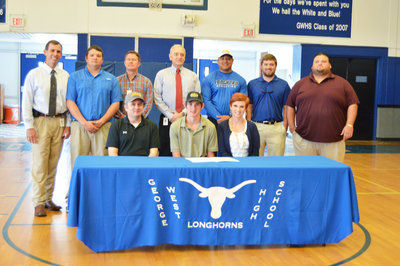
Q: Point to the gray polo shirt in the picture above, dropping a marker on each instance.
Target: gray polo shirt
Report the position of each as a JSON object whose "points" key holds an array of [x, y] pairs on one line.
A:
{"points": [[193, 143]]}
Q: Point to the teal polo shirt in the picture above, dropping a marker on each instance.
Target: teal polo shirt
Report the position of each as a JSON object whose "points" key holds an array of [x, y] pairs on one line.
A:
{"points": [[93, 94], [132, 141]]}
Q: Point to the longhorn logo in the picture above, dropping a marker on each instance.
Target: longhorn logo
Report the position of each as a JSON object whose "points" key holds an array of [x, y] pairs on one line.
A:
{"points": [[217, 195]]}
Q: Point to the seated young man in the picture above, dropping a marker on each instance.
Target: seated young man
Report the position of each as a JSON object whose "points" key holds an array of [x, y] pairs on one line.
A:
{"points": [[193, 135], [133, 135]]}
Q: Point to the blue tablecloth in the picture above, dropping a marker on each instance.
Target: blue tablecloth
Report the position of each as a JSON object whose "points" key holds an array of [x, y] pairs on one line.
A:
{"points": [[125, 202]]}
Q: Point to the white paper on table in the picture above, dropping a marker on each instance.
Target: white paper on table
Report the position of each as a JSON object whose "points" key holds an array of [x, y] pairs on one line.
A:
{"points": [[211, 159]]}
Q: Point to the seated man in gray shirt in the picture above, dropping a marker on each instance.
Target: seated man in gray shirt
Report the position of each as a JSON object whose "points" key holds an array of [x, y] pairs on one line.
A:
{"points": [[133, 135], [193, 135]]}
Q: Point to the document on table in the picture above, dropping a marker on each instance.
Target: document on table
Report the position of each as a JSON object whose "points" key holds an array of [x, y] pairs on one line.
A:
{"points": [[211, 159]]}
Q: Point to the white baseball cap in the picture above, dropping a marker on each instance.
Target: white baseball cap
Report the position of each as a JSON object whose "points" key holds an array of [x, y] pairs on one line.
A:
{"points": [[225, 52]]}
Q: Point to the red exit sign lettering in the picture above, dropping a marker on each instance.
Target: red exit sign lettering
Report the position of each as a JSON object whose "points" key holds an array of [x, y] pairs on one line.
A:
{"points": [[17, 21], [248, 31]]}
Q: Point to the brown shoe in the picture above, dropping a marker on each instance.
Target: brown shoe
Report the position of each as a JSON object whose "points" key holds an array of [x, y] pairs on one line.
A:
{"points": [[51, 206], [40, 211]]}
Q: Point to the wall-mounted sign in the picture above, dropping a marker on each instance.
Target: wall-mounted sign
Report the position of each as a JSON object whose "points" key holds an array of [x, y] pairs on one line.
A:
{"points": [[248, 31], [330, 18], [179, 4], [17, 21], [2, 11]]}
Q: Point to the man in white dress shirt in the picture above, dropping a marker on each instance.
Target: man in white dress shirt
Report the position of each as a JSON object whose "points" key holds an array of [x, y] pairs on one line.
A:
{"points": [[47, 124], [171, 86]]}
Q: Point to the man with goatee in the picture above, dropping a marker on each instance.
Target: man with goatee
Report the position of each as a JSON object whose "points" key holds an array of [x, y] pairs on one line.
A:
{"points": [[326, 111], [268, 95]]}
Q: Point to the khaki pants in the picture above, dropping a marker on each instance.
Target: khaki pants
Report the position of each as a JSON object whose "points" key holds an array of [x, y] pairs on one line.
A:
{"points": [[332, 150], [85, 143], [45, 155], [272, 136]]}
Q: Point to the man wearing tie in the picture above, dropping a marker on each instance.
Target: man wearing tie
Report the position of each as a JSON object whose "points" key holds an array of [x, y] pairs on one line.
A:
{"points": [[171, 86], [47, 124]]}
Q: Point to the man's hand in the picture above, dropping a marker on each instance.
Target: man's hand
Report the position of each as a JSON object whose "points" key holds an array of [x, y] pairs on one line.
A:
{"points": [[91, 127], [98, 123], [175, 116], [292, 129], [222, 118], [285, 125], [31, 135], [347, 132], [66, 133]]}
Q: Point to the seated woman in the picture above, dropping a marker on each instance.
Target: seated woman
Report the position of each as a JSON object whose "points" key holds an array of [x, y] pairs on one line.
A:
{"points": [[238, 137]]}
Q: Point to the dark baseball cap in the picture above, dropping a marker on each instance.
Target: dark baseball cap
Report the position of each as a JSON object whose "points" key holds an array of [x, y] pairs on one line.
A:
{"points": [[194, 96]]}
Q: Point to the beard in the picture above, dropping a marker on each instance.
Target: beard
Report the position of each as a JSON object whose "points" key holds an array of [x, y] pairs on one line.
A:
{"points": [[268, 74], [321, 72]]}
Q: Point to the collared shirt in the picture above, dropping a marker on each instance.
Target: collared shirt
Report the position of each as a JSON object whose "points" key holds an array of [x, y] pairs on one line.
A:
{"points": [[217, 90], [139, 84], [36, 93], [131, 141], [321, 107], [268, 98], [193, 143], [165, 88], [93, 95]]}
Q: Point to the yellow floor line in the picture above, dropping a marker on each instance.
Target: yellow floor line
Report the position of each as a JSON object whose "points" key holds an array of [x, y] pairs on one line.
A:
{"points": [[378, 193], [366, 180]]}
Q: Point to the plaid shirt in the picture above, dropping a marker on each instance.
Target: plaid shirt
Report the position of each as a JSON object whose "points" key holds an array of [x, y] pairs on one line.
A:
{"points": [[139, 84]]}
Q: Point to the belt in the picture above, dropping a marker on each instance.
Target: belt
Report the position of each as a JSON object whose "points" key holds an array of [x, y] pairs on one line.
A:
{"points": [[266, 122], [37, 114]]}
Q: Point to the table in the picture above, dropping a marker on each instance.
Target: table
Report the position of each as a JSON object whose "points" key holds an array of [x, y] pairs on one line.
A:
{"points": [[126, 202]]}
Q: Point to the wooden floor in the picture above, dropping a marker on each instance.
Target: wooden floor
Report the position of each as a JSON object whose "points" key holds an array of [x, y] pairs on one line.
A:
{"points": [[27, 240]]}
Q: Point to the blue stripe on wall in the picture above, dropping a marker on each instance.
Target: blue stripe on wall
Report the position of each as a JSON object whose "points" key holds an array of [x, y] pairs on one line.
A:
{"points": [[114, 48], [32, 61], [387, 79], [387, 88], [391, 95], [82, 46], [188, 43], [310, 50], [157, 49]]}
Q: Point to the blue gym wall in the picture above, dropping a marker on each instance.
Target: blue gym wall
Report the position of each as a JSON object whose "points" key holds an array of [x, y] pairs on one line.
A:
{"points": [[154, 56], [154, 53], [387, 87]]}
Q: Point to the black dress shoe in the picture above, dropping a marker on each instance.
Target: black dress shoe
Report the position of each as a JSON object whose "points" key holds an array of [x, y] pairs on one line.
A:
{"points": [[40, 211], [51, 206]]}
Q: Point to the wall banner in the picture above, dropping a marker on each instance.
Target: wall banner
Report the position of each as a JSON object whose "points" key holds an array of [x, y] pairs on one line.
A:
{"points": [[2, 11], [331, 18]]}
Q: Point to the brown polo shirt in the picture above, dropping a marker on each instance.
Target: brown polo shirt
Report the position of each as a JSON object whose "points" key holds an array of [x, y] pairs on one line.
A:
{"points": [[321, 108]]}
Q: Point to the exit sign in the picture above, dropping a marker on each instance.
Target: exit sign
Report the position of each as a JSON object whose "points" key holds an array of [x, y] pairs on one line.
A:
{"points": [[248, 31], [17, 21]]}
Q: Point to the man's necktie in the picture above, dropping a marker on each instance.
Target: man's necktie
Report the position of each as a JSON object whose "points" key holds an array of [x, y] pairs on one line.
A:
{"points": [[53, 94], [178, 101]]}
